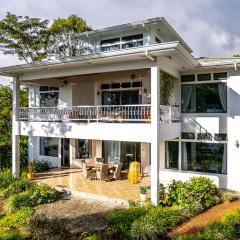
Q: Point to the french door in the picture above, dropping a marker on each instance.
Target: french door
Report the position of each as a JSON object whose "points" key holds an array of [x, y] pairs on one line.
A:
{"points": [[130, 97]]}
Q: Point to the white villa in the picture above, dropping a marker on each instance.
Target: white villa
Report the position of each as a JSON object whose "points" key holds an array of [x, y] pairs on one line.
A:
{"points": [[139, 96]]}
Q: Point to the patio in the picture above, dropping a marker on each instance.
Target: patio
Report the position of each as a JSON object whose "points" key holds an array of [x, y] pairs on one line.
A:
{"points": [[73, 180]]}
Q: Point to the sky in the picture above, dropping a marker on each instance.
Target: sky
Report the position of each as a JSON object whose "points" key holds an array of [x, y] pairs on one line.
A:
{"points": [[210, 27]]}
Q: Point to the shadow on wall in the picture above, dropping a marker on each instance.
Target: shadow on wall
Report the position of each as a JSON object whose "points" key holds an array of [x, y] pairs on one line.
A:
{"points": [[49, 129]]}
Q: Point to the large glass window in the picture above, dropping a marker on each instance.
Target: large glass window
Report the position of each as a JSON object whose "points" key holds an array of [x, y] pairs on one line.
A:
{"points": [[171, 155], [83, 148], [204, 157], [204, 98], [49, 146], [49, 96]]}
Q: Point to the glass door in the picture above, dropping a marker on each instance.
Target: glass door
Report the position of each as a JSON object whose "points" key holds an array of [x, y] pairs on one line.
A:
{"points": [[126, 152], [130, 97], [65, 158]]}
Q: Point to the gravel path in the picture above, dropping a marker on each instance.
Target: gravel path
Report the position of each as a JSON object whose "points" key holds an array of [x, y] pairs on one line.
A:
{"points": [[202, 220], [78, 214]]}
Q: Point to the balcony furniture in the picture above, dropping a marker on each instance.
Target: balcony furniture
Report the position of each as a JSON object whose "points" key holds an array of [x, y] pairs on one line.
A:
{"points": [[102, 173], [117, 172], [88, 173]]}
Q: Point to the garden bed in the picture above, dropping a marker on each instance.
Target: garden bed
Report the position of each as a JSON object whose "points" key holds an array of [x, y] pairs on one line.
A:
{"points": [[202, 220]]}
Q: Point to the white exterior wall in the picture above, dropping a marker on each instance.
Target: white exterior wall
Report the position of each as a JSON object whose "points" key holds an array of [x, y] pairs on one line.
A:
{"points": [[233, 166]]}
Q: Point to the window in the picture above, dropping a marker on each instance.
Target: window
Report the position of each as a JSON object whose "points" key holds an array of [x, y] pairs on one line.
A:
{"points": [[204, 98], [188, 78], [132, 41], [83, 148], [171, 155], [49, 96], [49, 146], [204, 157], [220, 76], [188, 135], [220, 136], [204, 77], [110, 44]]}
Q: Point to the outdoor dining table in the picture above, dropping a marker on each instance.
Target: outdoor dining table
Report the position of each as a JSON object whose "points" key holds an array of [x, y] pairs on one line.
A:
{"points": [[96, 166]]}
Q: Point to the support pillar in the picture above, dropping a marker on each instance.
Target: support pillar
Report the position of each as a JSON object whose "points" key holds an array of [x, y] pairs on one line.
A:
{"points": [[155, 129], [15, 129]]}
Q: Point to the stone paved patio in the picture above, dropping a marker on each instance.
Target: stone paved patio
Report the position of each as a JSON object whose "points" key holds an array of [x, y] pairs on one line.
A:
{"points": [[72, 180]]}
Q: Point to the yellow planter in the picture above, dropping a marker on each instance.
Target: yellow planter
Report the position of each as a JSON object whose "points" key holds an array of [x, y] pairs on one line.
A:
{"points": [[134, 175]]}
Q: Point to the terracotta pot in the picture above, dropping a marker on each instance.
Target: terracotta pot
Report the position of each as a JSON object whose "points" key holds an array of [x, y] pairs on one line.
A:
{"points": [[143, 197], [30, 176]]}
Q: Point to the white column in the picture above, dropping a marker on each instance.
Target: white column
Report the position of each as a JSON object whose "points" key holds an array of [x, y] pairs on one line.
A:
{"points": [[15, 128], [155, 142]]}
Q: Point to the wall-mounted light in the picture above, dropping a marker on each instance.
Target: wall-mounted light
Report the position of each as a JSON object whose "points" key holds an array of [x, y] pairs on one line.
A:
{"points": [[98, 92], [237, 144]]}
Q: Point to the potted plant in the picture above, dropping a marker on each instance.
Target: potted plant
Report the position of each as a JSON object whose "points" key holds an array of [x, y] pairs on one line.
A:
{"points": [[143, 193], [31, 171]]}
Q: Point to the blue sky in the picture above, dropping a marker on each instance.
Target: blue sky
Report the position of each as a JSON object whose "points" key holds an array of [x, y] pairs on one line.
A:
{"points": [[210, 27]]}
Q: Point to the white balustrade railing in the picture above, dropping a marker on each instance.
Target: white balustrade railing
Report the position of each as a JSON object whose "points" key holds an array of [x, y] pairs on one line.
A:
{"points": [[102, 113]]}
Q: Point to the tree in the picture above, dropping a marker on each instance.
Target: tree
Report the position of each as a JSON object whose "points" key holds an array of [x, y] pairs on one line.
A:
{"points": [[24, 36], [63, 41], [6, 127]]}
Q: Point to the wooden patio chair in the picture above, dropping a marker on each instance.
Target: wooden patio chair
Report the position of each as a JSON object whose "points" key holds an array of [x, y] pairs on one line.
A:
{"points": [[117, 173], [88, 173], [102, 174]]}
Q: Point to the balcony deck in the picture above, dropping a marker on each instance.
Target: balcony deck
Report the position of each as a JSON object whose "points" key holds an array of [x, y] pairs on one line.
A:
{"points": [[103, 113], [72, 180]]}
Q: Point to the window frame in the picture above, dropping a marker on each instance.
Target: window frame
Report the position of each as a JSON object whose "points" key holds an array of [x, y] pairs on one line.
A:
{"points": [[119, 44], [202, 172], [41, 141], [50, 90], [195, 84]]}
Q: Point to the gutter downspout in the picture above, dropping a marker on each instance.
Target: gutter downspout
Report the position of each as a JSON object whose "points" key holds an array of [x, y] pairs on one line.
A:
{"points": [[149, 56], [235, 67]]}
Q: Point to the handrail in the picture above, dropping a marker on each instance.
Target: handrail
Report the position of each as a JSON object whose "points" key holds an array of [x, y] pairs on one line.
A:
{"points": [[99, 113]]}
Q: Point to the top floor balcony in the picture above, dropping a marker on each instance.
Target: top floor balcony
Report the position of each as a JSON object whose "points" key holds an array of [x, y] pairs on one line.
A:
{"points": [[140, 113]]}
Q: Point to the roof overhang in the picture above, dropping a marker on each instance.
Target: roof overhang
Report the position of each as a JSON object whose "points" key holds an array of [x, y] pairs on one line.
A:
{"points": [[125, 55]]}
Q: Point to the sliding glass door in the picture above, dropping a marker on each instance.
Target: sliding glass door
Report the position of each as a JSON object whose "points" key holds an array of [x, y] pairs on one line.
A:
{"points": [[126, 152], [121, 97]]}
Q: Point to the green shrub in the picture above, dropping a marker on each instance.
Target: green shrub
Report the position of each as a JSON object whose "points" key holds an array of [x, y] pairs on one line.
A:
{"points": [[8, 233], [120, 221], [16, 187], [13, 226], [198, 190], [227, 228], [157, 222], [36, 195], [16, 219], [41, 165], [6, 178]]}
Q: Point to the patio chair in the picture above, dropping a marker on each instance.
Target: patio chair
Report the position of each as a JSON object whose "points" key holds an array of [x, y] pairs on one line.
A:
{"points": [[99, 160], [88, 173], [117, 173], [102, 174]]}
